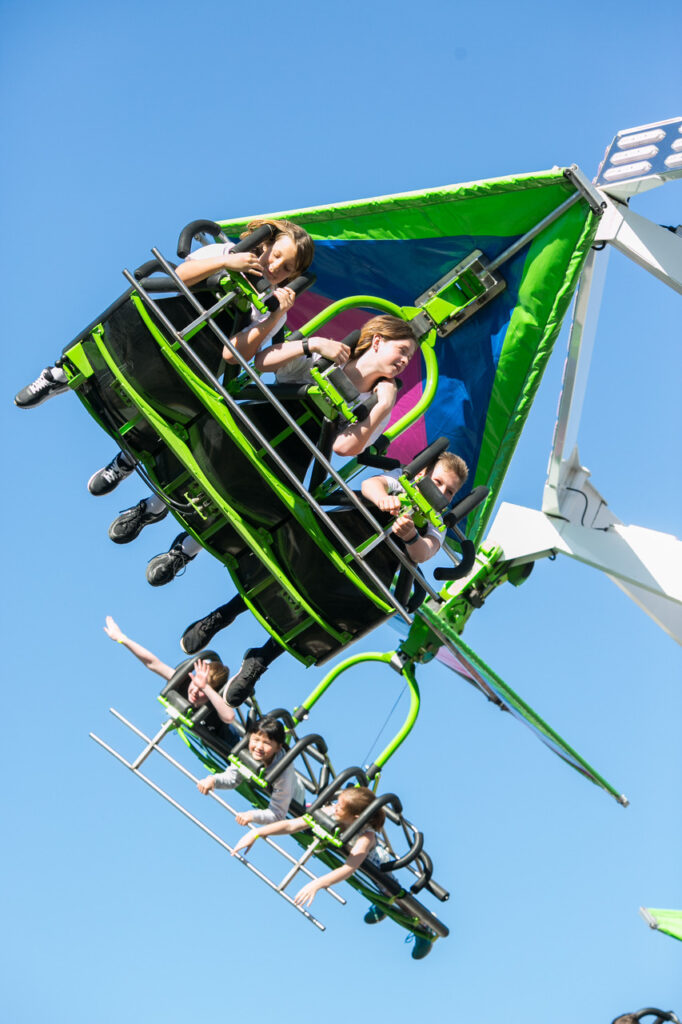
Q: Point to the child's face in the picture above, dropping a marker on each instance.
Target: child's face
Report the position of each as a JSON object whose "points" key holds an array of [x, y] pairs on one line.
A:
{"points": [[195, 695], [279, 259], [262, 748], [394, 355], [447, 482], [341, 812]]}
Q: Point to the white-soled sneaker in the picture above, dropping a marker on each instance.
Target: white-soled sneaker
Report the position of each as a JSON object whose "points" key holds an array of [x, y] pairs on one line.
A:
{"points": [[43, 387], [109, 477]]}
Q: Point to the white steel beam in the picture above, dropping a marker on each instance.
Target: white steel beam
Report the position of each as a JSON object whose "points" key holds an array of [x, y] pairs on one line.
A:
{"points": [[646, 564], [649, 245]]}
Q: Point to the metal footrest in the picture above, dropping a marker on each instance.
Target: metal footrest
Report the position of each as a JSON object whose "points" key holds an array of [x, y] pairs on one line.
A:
{"points": [[153, 745]]}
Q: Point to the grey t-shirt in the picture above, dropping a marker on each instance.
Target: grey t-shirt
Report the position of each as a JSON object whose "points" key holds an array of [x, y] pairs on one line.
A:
{"points": [[286, 788]]}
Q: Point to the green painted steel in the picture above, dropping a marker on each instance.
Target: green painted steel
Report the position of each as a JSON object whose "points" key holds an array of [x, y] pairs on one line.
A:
{"points": [[407, 671], [515, 702], [668, 921]]}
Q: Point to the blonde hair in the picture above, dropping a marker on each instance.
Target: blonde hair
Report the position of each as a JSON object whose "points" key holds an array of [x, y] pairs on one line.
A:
{"points": [[217, 675], [453, 464], [391, 328], [358, 799], [305, 247]]}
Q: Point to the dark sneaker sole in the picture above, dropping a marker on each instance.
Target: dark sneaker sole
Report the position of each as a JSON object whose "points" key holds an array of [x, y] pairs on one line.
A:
{"points": [[39, 401], [133, 532], [107, 488]]}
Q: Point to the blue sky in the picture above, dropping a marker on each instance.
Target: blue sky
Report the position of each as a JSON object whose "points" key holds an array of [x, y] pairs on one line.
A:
{"points": [[121, 125]]}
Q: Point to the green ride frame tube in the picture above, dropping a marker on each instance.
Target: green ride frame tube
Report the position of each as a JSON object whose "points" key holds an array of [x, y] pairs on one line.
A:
{"points": [[353, 302], [430, 385], [185, 457], [356, 301], [407, 670]]}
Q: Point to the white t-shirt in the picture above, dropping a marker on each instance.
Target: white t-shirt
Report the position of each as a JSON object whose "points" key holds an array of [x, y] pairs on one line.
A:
{"points": [[208, 252], [297, 371]]}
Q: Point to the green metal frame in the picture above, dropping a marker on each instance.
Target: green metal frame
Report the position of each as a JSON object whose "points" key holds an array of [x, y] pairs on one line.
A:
{"points": [[388, 658], [329, 853]]}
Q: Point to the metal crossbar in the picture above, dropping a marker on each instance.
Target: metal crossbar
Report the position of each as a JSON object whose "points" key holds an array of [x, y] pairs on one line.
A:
{"points": [[235, 409], [153, 745]]}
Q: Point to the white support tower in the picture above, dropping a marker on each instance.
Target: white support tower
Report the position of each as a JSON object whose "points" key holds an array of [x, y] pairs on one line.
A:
{"points": [[575, 519]]}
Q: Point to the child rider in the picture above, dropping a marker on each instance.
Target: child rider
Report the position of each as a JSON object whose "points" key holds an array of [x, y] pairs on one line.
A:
{"points": [[266, 745], [449, 473], [206, 680]]}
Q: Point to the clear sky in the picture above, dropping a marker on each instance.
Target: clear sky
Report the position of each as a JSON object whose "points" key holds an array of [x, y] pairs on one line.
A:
{"points": [[121, 124]]}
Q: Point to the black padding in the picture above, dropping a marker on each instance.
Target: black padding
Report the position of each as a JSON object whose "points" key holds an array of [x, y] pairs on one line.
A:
{"points": [[195, 227], [261, 234], [378, 461], [301, 283], [343, 385], [233, 474], [305, 742], [336, 785], [464, 567], [436, 499], [362, 820], [140, 358], [466, 505], [426, 457]]}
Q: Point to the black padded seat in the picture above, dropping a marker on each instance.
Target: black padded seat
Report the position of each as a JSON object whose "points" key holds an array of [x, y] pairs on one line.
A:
{"points": [[231, 472], [332, 595], [141, 360]]}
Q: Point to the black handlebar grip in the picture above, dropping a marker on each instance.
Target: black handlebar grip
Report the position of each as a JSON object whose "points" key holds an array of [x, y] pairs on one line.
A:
{"points": [[262, 234], [160, 283], [467, 505], [465, 566], [438, 891], [298, 285], [435, 498], [426, 457], [351, 340], [192, 229]]}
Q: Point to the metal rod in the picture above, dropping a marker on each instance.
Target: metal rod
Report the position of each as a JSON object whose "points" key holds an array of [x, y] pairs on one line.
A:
{"points": [[530, 235], [152, 744], [299, 864], [243, 417], [220, 304], [432, 376], [223, 803], [406, 670], [208, 831]]}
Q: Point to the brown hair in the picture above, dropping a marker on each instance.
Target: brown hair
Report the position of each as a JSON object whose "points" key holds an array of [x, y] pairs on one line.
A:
{"points": [[357, 799], [217, 674], [305, 247], [391, 328], [453, 464]]}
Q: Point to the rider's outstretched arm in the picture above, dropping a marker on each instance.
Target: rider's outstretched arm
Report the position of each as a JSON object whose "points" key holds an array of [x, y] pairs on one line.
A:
{"points": [[149, 660]]}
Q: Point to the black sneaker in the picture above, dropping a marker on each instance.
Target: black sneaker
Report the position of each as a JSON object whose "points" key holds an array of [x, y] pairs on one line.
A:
{"points": [[105, 480], [201, 632], [164, 568], [244, 683], [374, 915], [43, 387], [422, 946], [130, 523]]}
